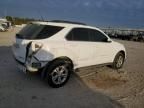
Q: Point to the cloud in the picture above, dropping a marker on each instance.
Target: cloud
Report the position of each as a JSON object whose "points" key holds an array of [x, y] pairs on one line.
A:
{"points": [[125, 4], [86, 3], [99, 4]]}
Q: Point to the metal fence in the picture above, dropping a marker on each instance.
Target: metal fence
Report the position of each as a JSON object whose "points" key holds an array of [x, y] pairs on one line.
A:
{"points": [[125, 34]]}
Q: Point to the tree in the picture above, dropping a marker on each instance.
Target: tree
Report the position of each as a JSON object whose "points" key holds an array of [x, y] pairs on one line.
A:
{"points": [[19, 21]]}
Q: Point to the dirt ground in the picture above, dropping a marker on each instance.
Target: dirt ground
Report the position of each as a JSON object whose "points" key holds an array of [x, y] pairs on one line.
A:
{"points": [[125, 85], [90, 87]]}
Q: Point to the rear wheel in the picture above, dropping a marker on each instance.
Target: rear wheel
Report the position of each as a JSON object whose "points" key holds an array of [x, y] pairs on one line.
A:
{"points": [[118, 61], [58, 73]]}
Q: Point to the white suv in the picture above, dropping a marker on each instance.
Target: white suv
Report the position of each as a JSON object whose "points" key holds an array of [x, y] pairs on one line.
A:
{"points": [[57, 48]]}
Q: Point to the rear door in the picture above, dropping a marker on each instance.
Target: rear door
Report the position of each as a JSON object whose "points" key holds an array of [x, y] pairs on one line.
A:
{"points": [[78, 43]]}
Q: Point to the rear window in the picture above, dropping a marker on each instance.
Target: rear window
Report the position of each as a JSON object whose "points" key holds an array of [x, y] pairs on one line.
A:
{"points": [[35, 31]]}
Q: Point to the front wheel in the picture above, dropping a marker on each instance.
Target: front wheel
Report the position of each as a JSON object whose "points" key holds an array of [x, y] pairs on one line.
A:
{"points": [[58, 73], [118, 61]]}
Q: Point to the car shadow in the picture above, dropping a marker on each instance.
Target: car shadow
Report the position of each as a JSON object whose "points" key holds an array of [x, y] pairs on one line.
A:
{"points": [[26, 91]]}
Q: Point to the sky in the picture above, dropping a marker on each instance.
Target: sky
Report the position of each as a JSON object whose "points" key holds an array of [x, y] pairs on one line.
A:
{"points": [[102, 13]]}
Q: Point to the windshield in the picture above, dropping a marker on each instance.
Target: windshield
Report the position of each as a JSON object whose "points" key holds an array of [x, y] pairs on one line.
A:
{"points": [[36, 31]]}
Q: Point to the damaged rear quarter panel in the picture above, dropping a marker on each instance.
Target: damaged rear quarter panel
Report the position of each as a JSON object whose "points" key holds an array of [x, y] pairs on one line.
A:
{"points": [[44, 54]]}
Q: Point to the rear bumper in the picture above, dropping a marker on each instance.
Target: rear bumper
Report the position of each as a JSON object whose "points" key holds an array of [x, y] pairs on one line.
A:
{"points": [[19, 62], [28, 68]]}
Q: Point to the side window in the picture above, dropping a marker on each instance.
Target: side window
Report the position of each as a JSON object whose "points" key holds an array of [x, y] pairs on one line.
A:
{"points": [[97, 36], [78, 34], [70, 36], [48, 31], [38, 31]]}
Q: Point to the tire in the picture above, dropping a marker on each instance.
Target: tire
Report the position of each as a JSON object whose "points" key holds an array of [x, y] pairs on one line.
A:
{"points": [[54, 77], [118, 61]]}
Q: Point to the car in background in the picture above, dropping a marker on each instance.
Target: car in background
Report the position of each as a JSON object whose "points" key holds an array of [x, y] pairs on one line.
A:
{"points": [[3, 28], [5, 25]]}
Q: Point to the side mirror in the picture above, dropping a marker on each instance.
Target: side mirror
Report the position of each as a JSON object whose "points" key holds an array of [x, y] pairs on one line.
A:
{"points": [[109, 40]]}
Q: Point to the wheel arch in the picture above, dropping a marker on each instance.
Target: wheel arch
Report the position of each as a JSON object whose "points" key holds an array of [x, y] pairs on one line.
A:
{"points": [[123, 52], [65, 58]]}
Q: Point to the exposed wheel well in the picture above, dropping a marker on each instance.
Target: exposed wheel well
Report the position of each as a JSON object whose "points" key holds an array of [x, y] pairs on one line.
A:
{"points": [[65, 58]]}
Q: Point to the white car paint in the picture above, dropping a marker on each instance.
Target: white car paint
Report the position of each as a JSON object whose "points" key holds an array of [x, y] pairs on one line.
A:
{"points": [[81, 53]]}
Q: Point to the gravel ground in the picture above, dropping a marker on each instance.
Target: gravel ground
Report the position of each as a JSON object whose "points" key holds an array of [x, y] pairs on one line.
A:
{"points": [[125, 85], [90, 87]]}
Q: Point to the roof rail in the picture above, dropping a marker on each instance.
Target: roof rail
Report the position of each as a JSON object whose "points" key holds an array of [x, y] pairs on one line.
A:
{"points": [[70, 22]]}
